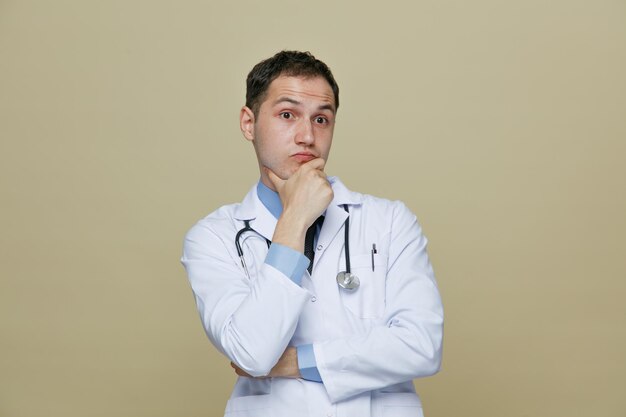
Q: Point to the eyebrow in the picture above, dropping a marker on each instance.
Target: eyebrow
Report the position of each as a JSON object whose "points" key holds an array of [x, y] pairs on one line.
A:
{"points": [[297, 103]]}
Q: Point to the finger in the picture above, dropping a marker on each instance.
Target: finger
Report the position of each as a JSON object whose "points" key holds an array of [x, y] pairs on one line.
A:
{"points": [[317, 163], [275, 179], [238, 370]]}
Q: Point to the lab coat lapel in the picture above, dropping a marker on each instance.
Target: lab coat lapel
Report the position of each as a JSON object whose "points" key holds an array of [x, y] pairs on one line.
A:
{"points": [[334, 220], [261, 220], [335, 215]]}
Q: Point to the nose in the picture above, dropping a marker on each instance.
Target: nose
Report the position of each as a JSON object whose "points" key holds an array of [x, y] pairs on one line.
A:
{"points": [[305, 134]]}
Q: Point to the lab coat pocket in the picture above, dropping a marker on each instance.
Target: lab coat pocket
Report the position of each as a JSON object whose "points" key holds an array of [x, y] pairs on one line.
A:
{"points": [[398, 404], [368, 300], [249, 406]]}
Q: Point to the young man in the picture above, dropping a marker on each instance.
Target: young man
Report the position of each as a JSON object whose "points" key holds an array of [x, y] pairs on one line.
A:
{"points": [[342, 330]]}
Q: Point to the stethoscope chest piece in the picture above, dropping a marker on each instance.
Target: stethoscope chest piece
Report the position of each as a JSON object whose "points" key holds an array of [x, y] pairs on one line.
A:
{"points": [[348, 281]]}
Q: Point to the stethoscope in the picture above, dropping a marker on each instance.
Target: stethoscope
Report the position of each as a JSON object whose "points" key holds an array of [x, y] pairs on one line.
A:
{"points": [[345, 279]]}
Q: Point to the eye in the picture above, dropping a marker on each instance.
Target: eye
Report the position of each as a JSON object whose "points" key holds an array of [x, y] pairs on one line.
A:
{"points": [[286, 115], [321, 120]]}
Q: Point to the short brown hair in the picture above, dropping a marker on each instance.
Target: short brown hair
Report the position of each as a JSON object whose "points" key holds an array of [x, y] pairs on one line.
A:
{"points": [[289, 63]]}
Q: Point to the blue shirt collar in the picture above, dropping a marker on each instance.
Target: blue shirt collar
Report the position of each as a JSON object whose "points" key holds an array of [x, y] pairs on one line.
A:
{"points": [[270, 199]]}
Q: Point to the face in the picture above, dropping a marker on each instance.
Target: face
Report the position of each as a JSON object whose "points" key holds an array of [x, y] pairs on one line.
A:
{"points": [[294, 124]]}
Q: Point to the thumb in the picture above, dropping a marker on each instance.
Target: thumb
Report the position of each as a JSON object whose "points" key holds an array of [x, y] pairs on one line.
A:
{"points": [[276, 181]]}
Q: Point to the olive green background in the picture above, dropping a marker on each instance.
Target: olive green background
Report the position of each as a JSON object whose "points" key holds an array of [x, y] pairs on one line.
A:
{"points": [[500, 123]]}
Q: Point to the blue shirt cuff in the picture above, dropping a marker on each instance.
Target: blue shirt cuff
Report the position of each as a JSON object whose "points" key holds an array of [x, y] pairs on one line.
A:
{"points": [[307, 363], [288, 261]]}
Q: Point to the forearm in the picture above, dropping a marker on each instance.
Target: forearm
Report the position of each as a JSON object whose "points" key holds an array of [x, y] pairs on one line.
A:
{"points": [[290, 231], [405, 342], [384, 356], [304, 197], [250, 321], [286, 367], [258, 331]]}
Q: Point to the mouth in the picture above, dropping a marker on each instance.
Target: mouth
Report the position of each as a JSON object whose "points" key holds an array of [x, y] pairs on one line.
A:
{"points": [[303, 156]]}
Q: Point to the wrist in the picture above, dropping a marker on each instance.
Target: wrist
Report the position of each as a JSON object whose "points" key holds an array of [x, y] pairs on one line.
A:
{"points": [[287, 366], [294, 220], [290, 231]]}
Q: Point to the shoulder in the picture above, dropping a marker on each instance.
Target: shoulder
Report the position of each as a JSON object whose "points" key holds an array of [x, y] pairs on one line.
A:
{"points": [[214, 226], [221, 222]]}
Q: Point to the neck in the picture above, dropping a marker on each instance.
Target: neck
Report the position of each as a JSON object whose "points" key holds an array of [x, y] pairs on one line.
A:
{"points": [[270, 199]]}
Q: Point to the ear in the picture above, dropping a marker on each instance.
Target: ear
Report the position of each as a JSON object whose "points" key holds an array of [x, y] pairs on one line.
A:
{"points": [[246, 123]]}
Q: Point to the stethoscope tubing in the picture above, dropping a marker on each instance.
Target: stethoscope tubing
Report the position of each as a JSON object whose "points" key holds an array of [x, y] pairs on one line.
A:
{"points": [[247, 228], [345, 279], [346, 239]]}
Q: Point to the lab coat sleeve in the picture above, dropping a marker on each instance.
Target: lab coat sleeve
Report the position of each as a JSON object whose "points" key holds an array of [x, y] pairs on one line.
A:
{"points": [[249, 321], [407, 342]]}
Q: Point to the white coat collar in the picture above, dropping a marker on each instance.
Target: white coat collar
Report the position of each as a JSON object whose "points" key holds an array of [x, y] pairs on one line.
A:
{"points": [[251, 208]]}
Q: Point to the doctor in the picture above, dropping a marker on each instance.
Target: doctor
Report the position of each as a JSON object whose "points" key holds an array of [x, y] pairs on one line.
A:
{"points": [[323, 298]]}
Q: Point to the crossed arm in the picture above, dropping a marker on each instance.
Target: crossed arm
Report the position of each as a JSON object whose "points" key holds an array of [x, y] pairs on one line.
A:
{"points": [[268, 309], [287, 366]]}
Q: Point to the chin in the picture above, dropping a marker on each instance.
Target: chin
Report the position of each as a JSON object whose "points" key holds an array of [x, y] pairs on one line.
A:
{"points": [[286, 173]]}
